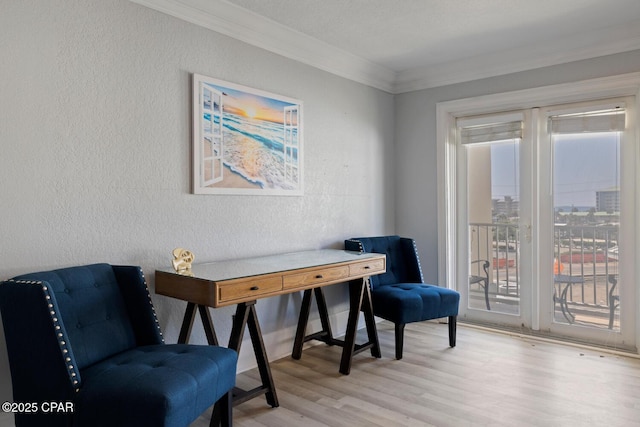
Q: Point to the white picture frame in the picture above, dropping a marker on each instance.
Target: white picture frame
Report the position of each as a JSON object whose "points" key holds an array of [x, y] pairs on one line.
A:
{"points": [[245, 141]]}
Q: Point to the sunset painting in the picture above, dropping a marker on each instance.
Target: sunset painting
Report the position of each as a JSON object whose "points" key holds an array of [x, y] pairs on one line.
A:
{"points": [[245, 141]]}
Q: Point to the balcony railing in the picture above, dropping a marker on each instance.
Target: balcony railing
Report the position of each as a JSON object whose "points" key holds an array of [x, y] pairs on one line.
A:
{"points": [[585, 269]]}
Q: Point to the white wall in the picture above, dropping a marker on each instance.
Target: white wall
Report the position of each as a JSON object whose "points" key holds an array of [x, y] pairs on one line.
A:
{"points": [[416, 167], [95, 154]]}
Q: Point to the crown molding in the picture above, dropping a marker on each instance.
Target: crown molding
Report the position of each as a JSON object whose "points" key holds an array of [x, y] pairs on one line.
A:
{"points": [[596, 43], [236, 22], [241, 24]]}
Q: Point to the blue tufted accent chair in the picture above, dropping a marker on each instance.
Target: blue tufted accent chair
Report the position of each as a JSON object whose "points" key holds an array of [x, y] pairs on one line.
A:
{"points": [[89, 335], [400, 295]]}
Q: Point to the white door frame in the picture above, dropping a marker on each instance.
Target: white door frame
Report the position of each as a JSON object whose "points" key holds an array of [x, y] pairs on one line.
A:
{"points": [[449, 271]]}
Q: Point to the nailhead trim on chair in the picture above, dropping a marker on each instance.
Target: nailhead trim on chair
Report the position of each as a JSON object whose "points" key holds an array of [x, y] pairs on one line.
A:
{"points": [[153, 310], [62, 340], [415, 248]]}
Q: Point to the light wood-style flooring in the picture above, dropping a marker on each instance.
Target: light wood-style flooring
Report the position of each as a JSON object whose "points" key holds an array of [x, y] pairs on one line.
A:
{"points": [[489, 379]]}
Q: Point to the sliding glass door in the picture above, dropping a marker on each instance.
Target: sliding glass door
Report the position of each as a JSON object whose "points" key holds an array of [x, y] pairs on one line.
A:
{"points": [[545, 224], [584, 238], [492, 151]]}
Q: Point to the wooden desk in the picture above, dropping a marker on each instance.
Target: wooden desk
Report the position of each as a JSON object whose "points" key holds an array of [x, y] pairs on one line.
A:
{"points": [[244, 281]]}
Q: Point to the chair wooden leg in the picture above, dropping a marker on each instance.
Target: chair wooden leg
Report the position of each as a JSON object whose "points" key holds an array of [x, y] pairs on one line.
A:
{"points": [[453, 323], [399, 339], [222, 414]]}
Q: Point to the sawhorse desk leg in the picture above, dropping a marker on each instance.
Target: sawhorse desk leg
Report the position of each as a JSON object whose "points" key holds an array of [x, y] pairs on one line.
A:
{"points": [[187, 324], [359, 300], [324, 335], [245, 316]]}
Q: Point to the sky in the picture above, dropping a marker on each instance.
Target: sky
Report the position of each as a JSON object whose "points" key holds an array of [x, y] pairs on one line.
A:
{"points": [[582, 165], [251, 105]]}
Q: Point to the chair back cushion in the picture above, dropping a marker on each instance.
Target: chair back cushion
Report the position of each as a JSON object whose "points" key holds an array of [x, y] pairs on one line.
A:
{"points": [[403, 265], [91, 309]]}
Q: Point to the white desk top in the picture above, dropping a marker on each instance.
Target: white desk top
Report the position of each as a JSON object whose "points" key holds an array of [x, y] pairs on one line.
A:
{"points": [[247, 267]]}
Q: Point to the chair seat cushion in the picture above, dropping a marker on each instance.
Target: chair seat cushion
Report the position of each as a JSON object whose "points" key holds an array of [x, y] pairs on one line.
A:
{"points": [[414, 302], [157, 385]]}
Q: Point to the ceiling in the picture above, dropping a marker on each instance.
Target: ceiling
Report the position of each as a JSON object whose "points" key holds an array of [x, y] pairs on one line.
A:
{"points": [[405, 45]]}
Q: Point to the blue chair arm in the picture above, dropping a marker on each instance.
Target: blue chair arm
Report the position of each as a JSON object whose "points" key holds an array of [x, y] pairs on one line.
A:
{"points": [[37, 349]]}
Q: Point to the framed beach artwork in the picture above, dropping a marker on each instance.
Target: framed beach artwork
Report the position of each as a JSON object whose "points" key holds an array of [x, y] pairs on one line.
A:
{"points": [[245, 141]]}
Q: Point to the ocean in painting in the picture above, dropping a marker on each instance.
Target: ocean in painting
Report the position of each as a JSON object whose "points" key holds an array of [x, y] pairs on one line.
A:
{"points": [[254, 149]]}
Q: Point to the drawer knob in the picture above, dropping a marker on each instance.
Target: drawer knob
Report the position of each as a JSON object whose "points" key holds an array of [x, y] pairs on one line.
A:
{"points": [[366, 267], [254, 288], [319, 276]]}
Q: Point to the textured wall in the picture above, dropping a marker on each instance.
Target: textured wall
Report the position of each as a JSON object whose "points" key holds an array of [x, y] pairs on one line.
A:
{"points": [[95, 163]]}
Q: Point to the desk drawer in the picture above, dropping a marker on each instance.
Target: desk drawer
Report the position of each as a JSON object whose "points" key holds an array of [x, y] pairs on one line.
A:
{"points": [[247, 290], [366, 268], [315, 277]]}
